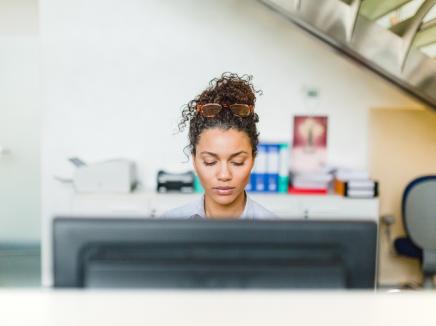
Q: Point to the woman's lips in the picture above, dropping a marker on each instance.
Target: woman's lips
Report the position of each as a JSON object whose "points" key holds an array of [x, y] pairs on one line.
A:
{"points": [[224, 191]]}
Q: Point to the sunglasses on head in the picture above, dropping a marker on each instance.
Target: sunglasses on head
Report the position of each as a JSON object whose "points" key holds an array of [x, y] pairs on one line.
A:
{"points": [[211, 110]]}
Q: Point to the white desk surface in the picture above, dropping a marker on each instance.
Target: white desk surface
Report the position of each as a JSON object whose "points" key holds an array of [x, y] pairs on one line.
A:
{"points": [[207, 308]]}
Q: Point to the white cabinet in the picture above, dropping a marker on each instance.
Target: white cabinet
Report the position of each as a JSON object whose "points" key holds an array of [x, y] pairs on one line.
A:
{"points": [[285, 206], [320, 207]]}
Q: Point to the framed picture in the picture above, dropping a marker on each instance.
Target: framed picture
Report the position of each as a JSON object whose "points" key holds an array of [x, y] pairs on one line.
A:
{"points": [[309, 143]]}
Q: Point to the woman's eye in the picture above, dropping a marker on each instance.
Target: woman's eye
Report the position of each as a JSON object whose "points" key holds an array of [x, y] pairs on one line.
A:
{"points": [[209, 163], [238, 163]]}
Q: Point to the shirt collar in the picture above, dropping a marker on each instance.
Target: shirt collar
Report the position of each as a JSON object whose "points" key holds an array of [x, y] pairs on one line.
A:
{"points": [[201, 212]]}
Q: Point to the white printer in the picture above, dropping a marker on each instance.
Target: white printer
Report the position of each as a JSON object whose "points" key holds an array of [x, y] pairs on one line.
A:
{"points": [[113, 176]]}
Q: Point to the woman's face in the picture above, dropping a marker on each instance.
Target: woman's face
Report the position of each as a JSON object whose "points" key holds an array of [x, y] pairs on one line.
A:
{"points": [[223, 162]]}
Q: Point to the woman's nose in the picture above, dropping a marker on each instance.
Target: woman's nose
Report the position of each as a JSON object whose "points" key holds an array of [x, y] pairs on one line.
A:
{"points": [[224, 173]]}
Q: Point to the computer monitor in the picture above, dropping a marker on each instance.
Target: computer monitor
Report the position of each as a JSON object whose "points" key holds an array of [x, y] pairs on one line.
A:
{"points": [[171, 253]]}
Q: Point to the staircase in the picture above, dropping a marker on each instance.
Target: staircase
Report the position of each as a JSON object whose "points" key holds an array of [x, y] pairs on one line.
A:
{"points": [[402, 51]]}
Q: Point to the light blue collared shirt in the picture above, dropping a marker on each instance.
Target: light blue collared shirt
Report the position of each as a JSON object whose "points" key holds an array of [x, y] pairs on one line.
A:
{"points": [[195, 209]]}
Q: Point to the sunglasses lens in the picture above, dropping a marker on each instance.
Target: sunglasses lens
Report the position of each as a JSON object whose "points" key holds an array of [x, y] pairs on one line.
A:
{"points": [[242, 110], [211, 110]]}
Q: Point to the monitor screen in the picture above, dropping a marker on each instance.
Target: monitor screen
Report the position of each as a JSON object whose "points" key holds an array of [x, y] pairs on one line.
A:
{"points": [[158, 253]]}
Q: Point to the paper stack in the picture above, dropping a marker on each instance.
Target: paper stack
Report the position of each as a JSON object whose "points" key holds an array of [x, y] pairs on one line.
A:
{"points": [[355, 184], [315, 182]]}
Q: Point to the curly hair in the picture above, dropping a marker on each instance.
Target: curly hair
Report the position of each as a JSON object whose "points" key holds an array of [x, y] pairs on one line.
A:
{"points": [[229, 88]]}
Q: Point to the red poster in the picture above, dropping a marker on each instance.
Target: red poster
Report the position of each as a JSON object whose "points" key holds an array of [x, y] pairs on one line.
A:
{"points": [[309, 146]]}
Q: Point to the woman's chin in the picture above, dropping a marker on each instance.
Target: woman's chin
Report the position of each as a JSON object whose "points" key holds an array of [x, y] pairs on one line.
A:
{"points": [[223, 200]]}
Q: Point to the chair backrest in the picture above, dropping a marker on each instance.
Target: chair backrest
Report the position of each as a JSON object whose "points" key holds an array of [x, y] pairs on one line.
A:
{"points": [[419, 216]]}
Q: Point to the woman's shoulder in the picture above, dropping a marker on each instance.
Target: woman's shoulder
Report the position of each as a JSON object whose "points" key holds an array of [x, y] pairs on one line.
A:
{"points": [[188, 210], [257, 211]]}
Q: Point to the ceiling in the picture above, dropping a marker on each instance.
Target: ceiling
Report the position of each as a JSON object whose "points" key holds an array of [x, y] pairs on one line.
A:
{"points": [[394, 38]]}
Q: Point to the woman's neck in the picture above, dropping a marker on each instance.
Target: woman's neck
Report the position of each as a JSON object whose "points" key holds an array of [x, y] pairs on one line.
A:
{"points": [[232, 210]]}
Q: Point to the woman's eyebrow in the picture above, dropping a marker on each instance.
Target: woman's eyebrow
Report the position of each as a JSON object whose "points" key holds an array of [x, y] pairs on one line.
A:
{"points": [[238, 153], [231, 156]]}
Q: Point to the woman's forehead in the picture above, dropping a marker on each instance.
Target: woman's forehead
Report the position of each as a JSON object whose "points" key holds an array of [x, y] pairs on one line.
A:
{"points": [[221, 142]]}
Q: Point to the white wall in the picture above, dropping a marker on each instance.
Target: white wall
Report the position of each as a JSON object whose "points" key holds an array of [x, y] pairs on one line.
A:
{"points": [[116, 73], [20, 121]]}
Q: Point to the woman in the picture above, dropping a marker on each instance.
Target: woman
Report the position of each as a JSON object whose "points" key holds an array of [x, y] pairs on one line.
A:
{"points": [[223, 142]]}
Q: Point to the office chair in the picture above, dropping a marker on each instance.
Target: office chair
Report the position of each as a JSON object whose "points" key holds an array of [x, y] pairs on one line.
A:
{"points": [[419, 218]]}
